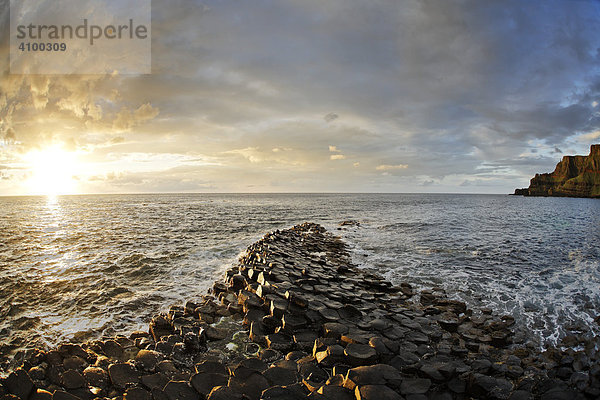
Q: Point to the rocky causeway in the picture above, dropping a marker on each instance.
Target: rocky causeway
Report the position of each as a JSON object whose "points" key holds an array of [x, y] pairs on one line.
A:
{"points": [[296, 319]]}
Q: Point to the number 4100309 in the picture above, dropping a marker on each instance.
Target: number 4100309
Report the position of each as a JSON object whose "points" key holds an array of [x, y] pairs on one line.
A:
{"points": [[42, 46]]}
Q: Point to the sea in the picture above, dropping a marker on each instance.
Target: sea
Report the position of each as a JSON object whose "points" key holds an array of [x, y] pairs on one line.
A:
{"points": [[74, 268]]}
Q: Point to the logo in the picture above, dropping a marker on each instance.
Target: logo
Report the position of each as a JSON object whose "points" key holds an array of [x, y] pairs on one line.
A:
{"points": [[80, 37]]}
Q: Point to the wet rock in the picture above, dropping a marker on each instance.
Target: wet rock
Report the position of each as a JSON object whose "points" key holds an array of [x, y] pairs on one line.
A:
{"points": [[159, 327], [19, 383], [137, 393], [155, 381], [62, 395], [75, 362], [72, 379], [279, 342], [95, 376], [379, 374], [41, 394], [204, 382], [281, 393], [334, 330], [278, 376], [210, 366], [38, 373], [415, 386], [252, 386], [360, 354], [147, 359], [180, 390], [330, 356], [237, 282], [112, 349], [123, 375], [292, 323], [213, 334], [490, 387], [224, 393], [376, 392]]}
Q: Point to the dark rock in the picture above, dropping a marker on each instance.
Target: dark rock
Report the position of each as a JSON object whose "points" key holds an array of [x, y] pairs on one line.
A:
{"points": [[19, 383], [180, 390], [38, 373], [72, 379], [252, 386], [415, 386], [137, 393], [123, 375], [112, 349], [281, 393], [41, 394], [95, 376], [209, 366], [224, 393], [279, 342], [62, 395], [74, 362], [147, 359], [379, 374], [292, 323], [159, 327], [214, 334], [331, 355], [490, 387], [482, 366], [360, 354], [559, 394], [376, 392], [457, 385], [204, 382], [155, 381], [278, 376], [334, 330], [520, 395]]}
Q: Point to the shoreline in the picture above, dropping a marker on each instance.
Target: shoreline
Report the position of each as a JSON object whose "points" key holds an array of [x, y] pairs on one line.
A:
{"points": [[296, 318]]}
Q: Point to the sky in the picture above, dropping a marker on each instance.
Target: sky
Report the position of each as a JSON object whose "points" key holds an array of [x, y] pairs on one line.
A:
{"points": [[452, 96]]}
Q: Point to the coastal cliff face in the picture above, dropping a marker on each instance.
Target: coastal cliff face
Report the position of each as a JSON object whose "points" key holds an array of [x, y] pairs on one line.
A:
{"points": [[574, 176]]}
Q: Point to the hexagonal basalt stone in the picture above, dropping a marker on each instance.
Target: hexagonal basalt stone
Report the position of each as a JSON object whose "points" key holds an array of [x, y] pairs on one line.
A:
{"points": [[334, 330], [378, 374], [376, 392], [205, 382], [180, 390], [360, 354], [123, 375]]}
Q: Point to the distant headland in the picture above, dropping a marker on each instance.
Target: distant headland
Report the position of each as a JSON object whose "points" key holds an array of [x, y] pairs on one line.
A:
{"points": [[574, 176]]}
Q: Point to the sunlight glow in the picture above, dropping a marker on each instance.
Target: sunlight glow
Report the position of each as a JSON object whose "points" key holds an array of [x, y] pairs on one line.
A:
{"points": [[52, 171]]}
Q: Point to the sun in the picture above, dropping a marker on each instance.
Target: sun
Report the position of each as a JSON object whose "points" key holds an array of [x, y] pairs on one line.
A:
{"points": [[52, 171]]}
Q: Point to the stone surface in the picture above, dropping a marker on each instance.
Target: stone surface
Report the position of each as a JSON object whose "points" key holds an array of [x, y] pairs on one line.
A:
{"points": [[19, 383], [376, 392], [180, 390], [123, 375], [204, 382]]}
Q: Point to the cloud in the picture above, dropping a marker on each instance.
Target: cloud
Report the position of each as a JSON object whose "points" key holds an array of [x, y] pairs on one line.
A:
{"points": [[125, 119], [388, 167], [454, 90], [330, 117]]}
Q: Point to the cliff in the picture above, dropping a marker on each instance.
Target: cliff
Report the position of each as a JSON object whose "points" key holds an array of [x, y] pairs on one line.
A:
{"points": [[574, 176]]}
